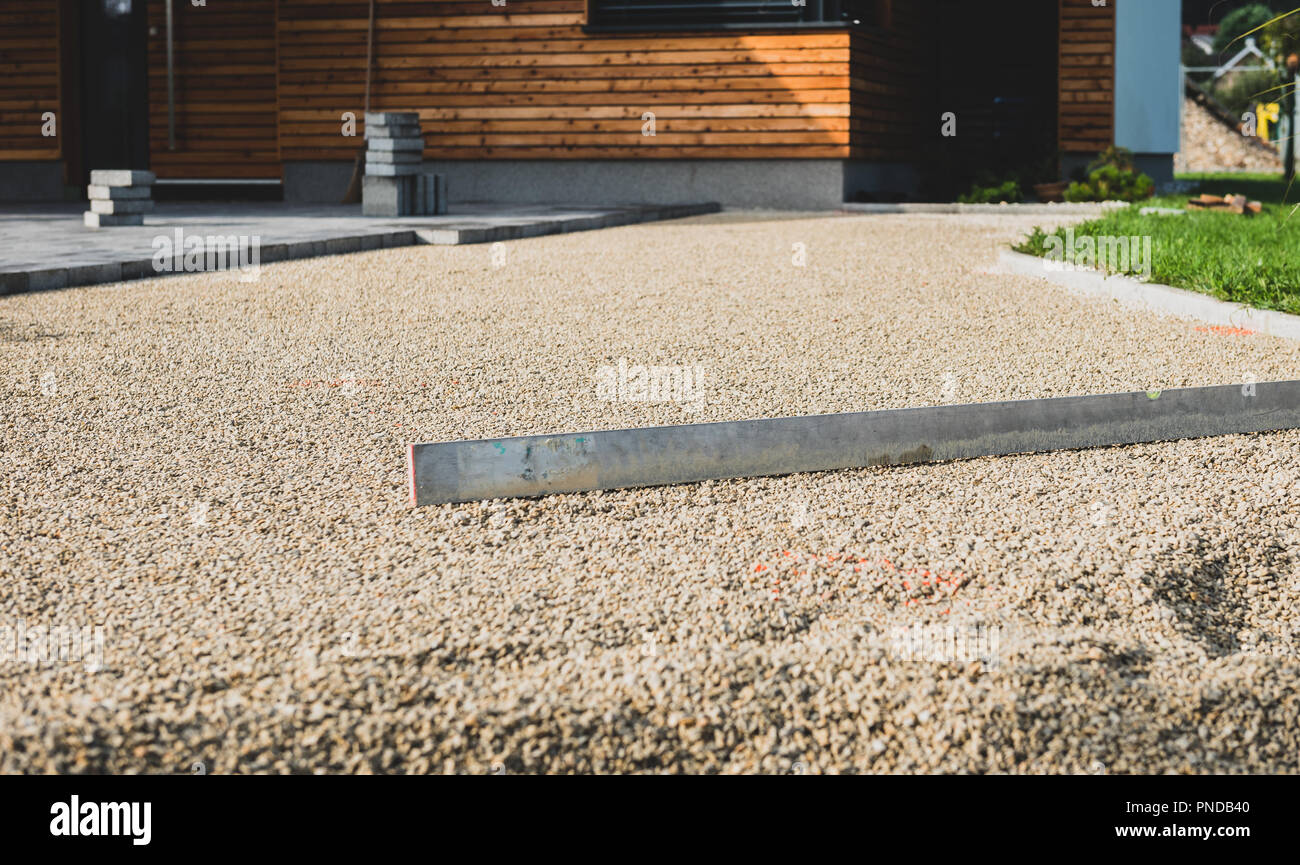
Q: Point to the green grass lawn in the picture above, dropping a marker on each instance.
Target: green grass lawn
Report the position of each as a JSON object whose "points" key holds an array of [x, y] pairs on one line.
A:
{"points": [[1250, 260]]}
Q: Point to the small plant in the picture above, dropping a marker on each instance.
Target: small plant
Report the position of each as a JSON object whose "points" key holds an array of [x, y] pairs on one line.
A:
{"points": [[1119, 157], [1111, 184], [1007, 190], [1112, 176]]}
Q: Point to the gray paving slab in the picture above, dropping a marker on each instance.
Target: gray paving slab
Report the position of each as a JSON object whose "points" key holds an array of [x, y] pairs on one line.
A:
{"points": [[392, 118], [48, 246], [388, 130], [394, 157], [96, 219], [112, 206], [396, 145], [121, 177], [385, 169], [116, 192]]}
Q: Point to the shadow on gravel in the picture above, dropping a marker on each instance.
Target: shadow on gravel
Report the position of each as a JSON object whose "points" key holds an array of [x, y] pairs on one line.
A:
{"points": [[12, 331], [1210, 599]]}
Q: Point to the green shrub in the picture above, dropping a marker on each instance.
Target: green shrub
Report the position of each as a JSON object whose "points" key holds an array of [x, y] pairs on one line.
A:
{"points": [[1283, 36], [1237, 22], [1110, 183], [1237, 92], [1008, 190], [1118, 157]]}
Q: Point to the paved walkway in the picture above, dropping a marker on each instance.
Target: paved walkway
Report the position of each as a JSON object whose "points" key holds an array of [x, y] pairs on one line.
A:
{"points": [[47, 246]]}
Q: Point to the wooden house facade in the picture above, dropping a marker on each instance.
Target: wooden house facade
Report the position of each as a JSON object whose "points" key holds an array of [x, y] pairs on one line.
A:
{"points": [[758, 102]]}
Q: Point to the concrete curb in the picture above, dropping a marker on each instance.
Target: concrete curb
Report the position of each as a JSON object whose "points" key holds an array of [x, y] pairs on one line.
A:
{"points": [[1160, 298], [1066, 209], [466, 232], [485, 233]]}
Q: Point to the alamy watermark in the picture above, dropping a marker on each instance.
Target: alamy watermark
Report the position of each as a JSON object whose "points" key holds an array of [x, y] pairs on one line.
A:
{"points": [[197, 253], [130, 819], [53, 644], [626, 382], [1130, 255], [946, 644]]}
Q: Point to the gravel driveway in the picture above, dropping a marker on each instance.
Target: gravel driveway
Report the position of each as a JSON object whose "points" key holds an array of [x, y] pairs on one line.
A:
{"points": [[213, 473]]}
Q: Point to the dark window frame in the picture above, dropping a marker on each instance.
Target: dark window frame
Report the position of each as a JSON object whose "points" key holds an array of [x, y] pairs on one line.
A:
{"points": [[621, 16]]}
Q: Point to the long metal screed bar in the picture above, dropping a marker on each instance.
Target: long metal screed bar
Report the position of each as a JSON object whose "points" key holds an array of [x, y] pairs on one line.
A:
{"points": [[462, 471]]}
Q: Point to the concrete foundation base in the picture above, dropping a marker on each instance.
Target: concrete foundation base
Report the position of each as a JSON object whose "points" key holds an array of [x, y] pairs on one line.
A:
{"points": [[31, 181], [1160, 166], [797, 184], [794, 184], [316, 182]]}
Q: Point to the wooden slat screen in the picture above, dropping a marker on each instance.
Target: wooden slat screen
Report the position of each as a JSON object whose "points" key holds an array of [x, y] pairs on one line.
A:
{"points": [[525, 81], [1087, 76], [225, 76], [889, 86], [29, 79]]}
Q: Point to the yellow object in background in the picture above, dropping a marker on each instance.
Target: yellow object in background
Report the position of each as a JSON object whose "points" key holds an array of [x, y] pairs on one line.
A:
{"points": [[1264, 115]]}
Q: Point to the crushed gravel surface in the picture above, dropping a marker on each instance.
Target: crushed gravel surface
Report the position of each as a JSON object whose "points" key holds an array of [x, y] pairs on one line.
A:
{"points": [[213, 473]]}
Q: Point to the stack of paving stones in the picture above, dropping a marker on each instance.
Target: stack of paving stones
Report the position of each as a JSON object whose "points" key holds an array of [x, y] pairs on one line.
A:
{"points": [[395, 184], [119, 197]]}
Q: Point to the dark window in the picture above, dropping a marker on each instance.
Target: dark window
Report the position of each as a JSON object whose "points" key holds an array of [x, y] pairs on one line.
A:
{"points": [[634, 15]]}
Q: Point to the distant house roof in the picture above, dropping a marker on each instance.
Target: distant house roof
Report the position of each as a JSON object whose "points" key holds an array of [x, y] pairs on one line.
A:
{"points": [[1251, 50]]}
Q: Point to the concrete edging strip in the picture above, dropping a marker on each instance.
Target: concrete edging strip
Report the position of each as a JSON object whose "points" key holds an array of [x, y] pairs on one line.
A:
{"points": [[1008, 209], [348, 241], [1153, 296], [523, 466]]}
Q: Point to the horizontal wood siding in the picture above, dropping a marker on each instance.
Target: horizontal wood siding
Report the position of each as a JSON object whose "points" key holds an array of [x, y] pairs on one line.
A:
{"points": [[262, 80], [225, 73], [29, 79], [1087, 76], [889, 84], [525, 82]]}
